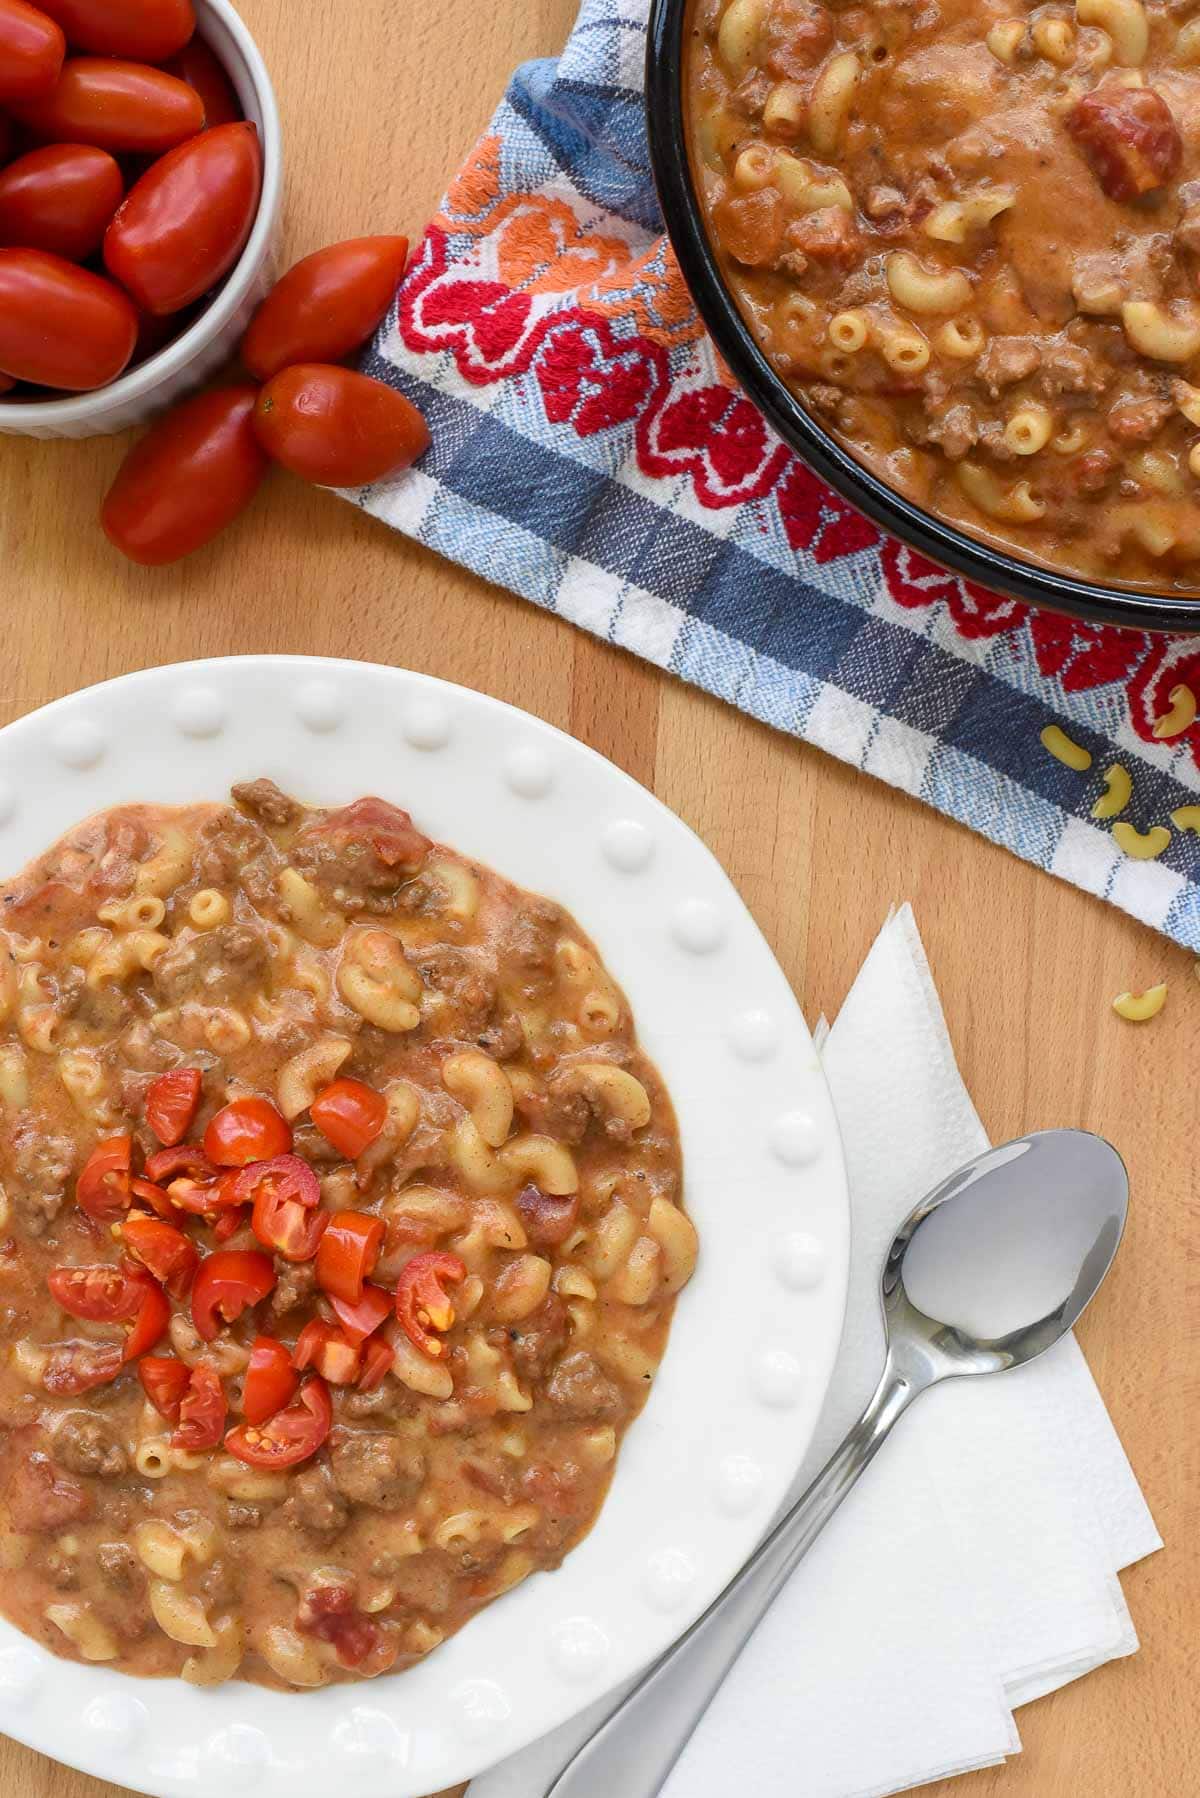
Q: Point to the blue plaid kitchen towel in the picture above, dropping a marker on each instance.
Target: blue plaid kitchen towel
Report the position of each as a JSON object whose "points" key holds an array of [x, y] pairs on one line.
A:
{"points": [[590, 452]]}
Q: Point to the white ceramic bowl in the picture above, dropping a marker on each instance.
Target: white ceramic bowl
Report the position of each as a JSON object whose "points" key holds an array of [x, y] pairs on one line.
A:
{"points": [[214, 337], [756, 1333]]}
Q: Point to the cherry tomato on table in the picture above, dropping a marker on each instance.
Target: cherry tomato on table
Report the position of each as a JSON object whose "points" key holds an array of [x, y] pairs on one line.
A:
{"points": [[32, 48], [116, 106], [337, 428], [147, 30], [325, 307], [202, 1412], [349, 1115], [164, 1381], [203, 70], [422, 1303], [60, 198], [103, 1187], [247, 1130], [349, 1250], [171, 1104], [61, 326], [326, 1350], [186, 222], [171, 1256], [291, 1436], [227, 1284], [270, 1382]]}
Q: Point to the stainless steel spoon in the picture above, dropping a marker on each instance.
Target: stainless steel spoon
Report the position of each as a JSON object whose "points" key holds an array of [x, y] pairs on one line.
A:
{"points": [[991, 1270]]}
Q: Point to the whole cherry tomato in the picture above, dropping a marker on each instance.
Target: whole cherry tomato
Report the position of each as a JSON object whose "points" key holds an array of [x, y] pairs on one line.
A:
{"points": [[185, 223], [60, 199], [103, 1187], [290, 1436], [422, 1303], [337, 428], [322, 1347], [61, 326], [348, 1253], [349, 1115], [164, 1380], [247, 1130], [362, 1320], [171, 1104], [227, 1284], [201, 1412], [147, 30], [325, 307], [270, 1382], [171, 1256], [202, 69], [116, 106], [32, 48]]}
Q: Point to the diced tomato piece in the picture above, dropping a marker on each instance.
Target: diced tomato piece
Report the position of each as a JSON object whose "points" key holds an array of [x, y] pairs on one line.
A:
{"points": [[422, 1304], [171, 1256], [390, 832], [227, 1284], [103, 1187], [164, 1380], [287, 1177], [201, 1413], [287, 1228], [271, 1380], [155, 1196], [149, 1323], [247, 1130], [43, 1499], [349, 1115], [171, 1104], [324, 1348], [76, 1367], [362, 1320], [349, 1250], [291, 1436], [378, 1357], [330, 1613], [228, 1224], [167, 1164], [99, 1295]]}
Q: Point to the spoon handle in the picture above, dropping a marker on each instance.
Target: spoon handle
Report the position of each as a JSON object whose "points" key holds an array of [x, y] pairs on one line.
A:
{"points": [[634, 1750]]}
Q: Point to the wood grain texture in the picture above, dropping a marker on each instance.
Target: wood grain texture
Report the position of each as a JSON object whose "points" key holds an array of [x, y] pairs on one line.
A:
{"points": [[380, 99]]}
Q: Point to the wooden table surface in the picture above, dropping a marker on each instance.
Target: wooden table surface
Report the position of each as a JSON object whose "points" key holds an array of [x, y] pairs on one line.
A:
{"points": [[380, 99]]}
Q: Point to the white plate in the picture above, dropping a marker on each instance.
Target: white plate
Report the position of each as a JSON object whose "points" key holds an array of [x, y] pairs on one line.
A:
{"points": [[755, 1335]]}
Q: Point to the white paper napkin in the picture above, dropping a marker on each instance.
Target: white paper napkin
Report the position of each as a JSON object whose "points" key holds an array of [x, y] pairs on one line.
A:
{"points": [[975, 1567]]}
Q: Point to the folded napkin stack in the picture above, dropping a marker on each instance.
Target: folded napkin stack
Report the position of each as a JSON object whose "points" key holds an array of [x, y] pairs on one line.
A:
{"points": [[975, 1567]]}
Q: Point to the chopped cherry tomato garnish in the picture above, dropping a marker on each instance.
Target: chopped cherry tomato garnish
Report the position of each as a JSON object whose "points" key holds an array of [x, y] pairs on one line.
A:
{"points": [[322, 1347], [99, 1295], [171, 1256], [422, 1303], [271, 1380], [285, 1192], [76, 1367], [362, 1320], [201, 1198], [164, 1380], [349, 1115], [291, 1436], [286, 1177], [227, 1284], [202, 1412], [102, 1189], [349, 1250], [150, 1322], [378, 1357], [228, 1224], [168, 1164], [156, 1197], [247, 1130], [171, 1104]]}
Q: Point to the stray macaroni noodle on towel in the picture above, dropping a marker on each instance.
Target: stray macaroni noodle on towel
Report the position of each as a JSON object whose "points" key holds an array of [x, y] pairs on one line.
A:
{"points": [[341, 1232]]}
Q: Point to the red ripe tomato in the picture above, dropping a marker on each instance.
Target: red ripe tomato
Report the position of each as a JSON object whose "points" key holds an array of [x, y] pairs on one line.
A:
{"points": [[322, 1347], [148, 30], [149, 1323], [60, 199], [227, 1284], [290, 1436], [202, 69], [388, 831], [349, 1250], [422, 1303], [349, 1115], [286, 1177], [100, 1295], [170, 1256], [362, 1320], [247, 1130], [337, 428], [325, 307], [378, 1357], [285, 1193], [31, 52], [270, 1382], [185, 223], [76, 1367], [171, 1104], [164, 1380], [201, 1412], [116, 106], [61, 326], [103, 1188], [156, 1197], [196, 471], [183, 1158]]}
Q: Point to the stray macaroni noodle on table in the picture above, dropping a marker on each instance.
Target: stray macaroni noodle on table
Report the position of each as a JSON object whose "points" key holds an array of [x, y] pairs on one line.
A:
{"points": [[342, 1228], [968, 238]]}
